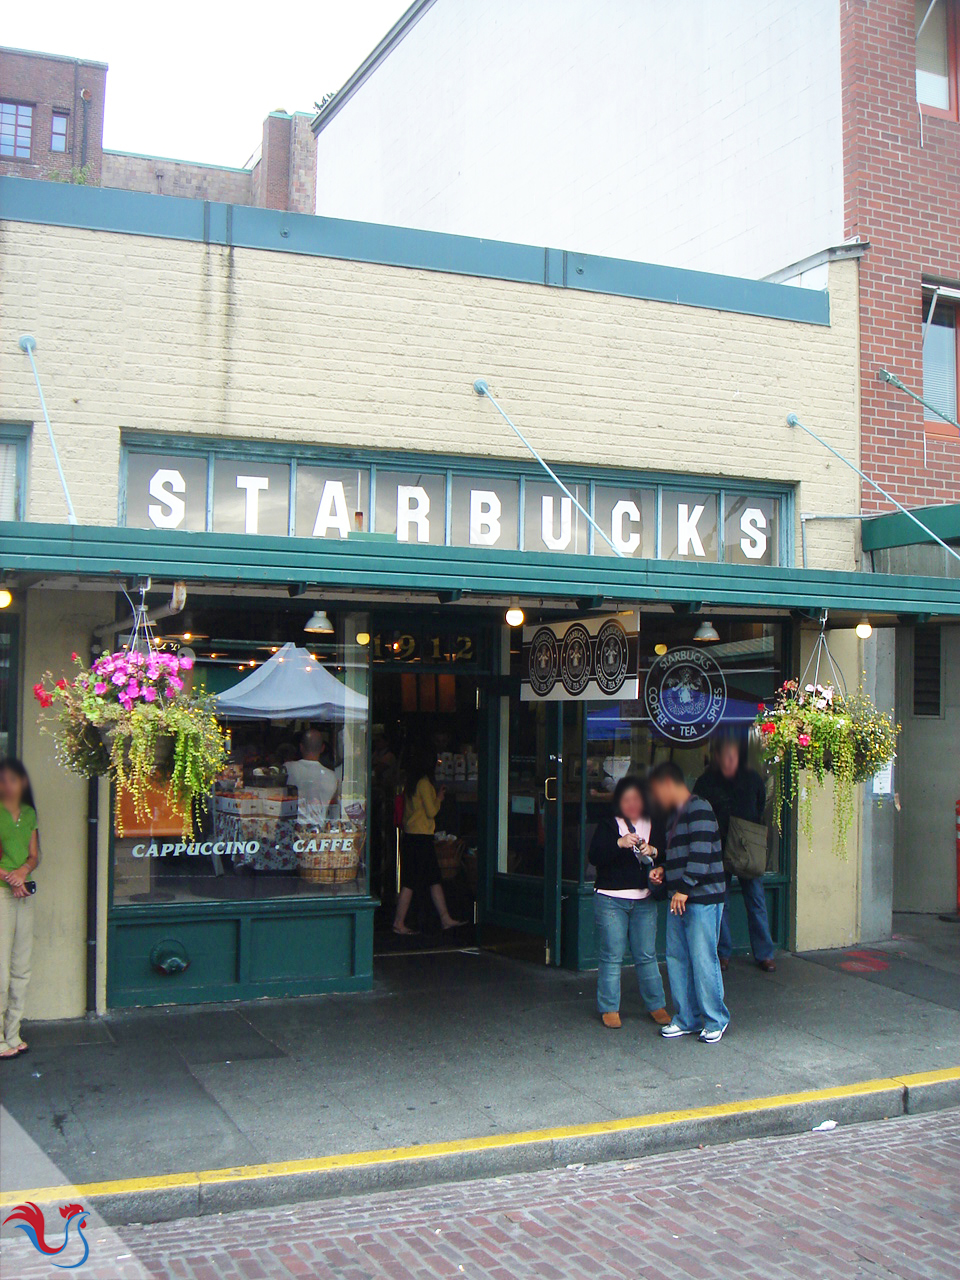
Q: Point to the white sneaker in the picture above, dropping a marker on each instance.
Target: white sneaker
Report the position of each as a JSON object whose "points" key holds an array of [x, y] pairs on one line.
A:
{"points": [[673, 1031], [709, 1036]]}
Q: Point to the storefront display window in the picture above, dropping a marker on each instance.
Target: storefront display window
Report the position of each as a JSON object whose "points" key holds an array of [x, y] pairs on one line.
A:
{"points": [[412, 506], [251, 499], [688, 526], [551, 520], [629, 519], [288, 815], [484, 513]]}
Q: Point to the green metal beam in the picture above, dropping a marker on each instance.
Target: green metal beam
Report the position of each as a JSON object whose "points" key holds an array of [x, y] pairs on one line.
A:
{"points": [[370, 562], [896, 530]]}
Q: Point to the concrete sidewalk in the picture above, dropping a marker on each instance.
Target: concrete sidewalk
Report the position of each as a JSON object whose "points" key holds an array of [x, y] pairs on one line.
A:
{"points": [[453, 1046]]}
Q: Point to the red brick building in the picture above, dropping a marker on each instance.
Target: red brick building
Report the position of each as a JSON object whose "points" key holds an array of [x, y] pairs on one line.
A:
{"points": [[51, 126], [901, 149], [51, 116]]}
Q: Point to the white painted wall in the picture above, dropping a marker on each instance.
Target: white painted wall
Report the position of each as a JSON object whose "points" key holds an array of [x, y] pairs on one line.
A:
{"points": [[700, 134]]}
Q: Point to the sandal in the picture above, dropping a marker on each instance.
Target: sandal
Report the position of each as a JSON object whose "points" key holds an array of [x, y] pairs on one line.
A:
{"points": [[10, 1053], [23, 1047]]}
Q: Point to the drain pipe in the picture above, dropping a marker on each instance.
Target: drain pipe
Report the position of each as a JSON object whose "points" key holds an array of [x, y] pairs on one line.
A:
{"points": [[812, 515], [93, 888]]}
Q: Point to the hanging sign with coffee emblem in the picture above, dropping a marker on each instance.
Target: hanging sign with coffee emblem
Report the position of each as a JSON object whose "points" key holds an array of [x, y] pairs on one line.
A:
{"points": [[591, 658]]}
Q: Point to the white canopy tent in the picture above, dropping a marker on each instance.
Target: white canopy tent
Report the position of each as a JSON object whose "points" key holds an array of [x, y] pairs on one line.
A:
{"points": [[292, 685]]}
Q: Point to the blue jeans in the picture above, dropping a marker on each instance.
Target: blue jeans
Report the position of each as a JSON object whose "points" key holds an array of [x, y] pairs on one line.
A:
{"points": [[755, 901], [693, 967], [621, 921]]}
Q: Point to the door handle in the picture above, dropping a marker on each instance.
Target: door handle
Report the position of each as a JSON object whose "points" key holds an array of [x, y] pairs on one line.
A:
{"points": [[546, 789]]}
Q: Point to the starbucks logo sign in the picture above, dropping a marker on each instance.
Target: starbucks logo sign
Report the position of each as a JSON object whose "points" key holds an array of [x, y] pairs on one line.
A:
{"points": [[685, 694], [576, 667], [543, 664], [613, 657]]}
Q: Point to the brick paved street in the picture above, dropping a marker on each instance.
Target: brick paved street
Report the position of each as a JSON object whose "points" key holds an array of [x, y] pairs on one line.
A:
{"points": [[879, 1200]]}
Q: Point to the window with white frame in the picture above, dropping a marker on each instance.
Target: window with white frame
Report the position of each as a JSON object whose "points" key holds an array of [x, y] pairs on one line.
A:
{"points": [[9, 480], [940, 356], [935, 25]]}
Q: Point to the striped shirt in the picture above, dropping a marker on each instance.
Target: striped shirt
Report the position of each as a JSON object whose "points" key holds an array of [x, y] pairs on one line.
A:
{"points": [[694, 854]]}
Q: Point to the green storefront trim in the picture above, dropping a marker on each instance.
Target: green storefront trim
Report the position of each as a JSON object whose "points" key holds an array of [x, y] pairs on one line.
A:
{"points": [[137, 213], [300, 945], [898, 530], [373, 562]]}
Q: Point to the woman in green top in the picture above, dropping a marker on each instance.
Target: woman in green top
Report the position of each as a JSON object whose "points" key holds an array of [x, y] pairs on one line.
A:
{"points": [[19, 855]]}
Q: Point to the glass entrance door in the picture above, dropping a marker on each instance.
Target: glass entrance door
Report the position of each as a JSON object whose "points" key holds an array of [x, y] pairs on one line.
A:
{"points": [[525, 888]]}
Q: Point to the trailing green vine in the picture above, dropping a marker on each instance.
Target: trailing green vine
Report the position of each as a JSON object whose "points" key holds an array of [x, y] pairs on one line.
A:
{"points": [[819, 730], [128, 716]]}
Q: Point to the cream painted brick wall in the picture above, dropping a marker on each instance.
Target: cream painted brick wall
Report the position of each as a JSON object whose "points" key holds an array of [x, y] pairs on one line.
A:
{"points": [[135, 333]]}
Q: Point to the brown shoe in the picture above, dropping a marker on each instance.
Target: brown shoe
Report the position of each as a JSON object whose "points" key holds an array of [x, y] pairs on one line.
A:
{"points": [[767, 966], [724, 963], [611, 1020], [660, 1017]]}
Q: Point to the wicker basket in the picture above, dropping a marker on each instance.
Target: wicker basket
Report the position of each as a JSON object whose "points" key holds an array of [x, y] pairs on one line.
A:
{"points": [[333, 866]]}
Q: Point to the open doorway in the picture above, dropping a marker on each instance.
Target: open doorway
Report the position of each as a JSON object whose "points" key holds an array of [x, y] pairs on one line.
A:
{"points": [[434, 717]]}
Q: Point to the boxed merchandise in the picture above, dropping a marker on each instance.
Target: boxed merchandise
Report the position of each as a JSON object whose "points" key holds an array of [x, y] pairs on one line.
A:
{"points": [[241, 804], [278, 802]]}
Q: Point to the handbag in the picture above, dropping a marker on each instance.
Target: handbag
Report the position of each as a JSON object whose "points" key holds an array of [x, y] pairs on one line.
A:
{"points": [[745, 850]]}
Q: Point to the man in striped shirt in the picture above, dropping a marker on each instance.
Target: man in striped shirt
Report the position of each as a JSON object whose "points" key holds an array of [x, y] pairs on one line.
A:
{"points": [[696, 885]]}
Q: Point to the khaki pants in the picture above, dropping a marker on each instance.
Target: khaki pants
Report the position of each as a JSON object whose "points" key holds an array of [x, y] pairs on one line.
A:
{"points": [[16, 944]]}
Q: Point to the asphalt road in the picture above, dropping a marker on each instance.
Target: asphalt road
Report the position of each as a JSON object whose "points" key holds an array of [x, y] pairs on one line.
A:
{"points": [[878, 1200]]}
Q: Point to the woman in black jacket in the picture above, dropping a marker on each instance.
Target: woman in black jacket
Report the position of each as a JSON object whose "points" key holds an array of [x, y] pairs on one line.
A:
{"points": [[625, 905]]}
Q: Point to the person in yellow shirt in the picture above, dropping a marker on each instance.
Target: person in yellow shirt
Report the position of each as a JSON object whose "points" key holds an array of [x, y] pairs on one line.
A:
{"points": [[419, 868]]}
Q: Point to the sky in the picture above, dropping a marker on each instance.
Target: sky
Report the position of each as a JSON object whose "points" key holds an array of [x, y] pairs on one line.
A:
{"points": [[194, 81]]}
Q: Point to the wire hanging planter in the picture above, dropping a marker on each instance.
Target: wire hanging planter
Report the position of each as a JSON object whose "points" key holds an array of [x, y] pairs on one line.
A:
{"points": [[815, 728], [131, 715]]}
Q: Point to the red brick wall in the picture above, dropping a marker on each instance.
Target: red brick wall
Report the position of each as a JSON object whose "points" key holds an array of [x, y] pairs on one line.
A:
{"points": [[275, 163], [45, 83], [904, 199]]}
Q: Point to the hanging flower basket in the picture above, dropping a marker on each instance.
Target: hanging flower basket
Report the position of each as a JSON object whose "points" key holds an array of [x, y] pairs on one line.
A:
{"points": [[128, 717], [819, 729]]}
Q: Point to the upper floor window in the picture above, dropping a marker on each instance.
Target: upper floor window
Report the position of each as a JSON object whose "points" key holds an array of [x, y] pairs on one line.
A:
{"points": [[940, 357], [58, 131], [16, 129], [936, 31]]}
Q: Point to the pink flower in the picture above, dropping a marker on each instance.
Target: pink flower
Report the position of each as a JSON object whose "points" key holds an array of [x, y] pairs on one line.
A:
{"points": [[149, 694], [133, 689], [803, 739], [100, 688], [175, 683], [186, 664], [169, 693], [119, 677], [126, 702]]}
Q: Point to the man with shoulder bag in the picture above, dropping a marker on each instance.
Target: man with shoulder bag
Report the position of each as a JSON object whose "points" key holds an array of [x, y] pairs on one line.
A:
{"points": [[738, 797]]}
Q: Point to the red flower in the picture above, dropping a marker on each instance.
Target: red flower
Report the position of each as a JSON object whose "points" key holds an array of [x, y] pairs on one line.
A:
{"points": [[760, 706], [768, 727], [41, 695], [61, 683], [74, 658]]}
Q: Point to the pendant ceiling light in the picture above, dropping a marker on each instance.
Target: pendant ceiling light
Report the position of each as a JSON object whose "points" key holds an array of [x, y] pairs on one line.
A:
{"points": [[514, 615], [319, 624], [706, 633]]}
